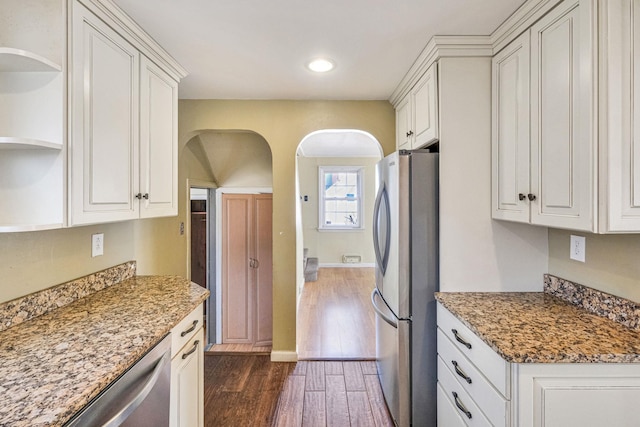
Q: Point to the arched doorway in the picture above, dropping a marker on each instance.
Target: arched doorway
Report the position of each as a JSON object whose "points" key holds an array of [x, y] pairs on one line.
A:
{"points": [[336, 182], [226, 166]]}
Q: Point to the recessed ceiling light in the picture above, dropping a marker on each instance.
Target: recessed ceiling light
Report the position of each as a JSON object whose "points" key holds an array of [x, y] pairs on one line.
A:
{"points": [[321, 65]]}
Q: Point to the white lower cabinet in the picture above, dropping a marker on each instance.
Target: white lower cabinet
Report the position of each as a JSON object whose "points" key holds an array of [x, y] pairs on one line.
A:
{"points": [[577, 394], [187, 372], [477, 387]]}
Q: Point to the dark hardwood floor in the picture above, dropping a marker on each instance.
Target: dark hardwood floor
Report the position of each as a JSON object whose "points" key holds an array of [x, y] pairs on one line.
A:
{"points": [[250, 390]]}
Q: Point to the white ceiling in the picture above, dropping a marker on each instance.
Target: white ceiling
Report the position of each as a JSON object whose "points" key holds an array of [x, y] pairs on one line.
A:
{"points": [[257, 49]]}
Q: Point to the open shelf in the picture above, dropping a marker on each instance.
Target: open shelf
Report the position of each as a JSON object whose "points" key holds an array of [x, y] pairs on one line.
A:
{"points": [[12, 143], [14, 60]]}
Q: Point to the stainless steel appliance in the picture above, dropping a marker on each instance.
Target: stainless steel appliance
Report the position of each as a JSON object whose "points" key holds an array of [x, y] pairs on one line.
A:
{"points": [[138, 398], [405, 234]]}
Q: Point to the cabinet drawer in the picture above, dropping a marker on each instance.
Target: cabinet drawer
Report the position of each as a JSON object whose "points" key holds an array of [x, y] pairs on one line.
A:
{"points": [[492, 366], [494, 406], [448, 414], [459, 398], [185, 330]]}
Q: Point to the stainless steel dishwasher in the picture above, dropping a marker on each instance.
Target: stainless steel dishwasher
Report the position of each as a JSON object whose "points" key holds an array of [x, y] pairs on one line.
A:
{"points": [[139, 397]]}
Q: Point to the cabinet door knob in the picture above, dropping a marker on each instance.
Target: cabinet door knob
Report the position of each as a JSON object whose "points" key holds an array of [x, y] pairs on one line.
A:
{"points": [[146, 196], [531, 197], [139, 196], [521, 196], [410, 133]]}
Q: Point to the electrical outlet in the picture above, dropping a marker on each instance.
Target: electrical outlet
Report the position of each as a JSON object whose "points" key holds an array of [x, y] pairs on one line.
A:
{"points": [[578, 248], [97, 244]]}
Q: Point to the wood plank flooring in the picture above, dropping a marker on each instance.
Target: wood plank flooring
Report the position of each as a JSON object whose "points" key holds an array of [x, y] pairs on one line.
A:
{"points": [[335, 317], [250, 390]]}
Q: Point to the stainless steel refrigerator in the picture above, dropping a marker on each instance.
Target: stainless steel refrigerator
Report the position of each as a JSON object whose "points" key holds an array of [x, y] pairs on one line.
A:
{"points": [[405, 235]]}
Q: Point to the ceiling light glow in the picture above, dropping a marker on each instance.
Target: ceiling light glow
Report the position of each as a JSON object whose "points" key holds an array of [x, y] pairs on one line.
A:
{"points": [[321, 65]]}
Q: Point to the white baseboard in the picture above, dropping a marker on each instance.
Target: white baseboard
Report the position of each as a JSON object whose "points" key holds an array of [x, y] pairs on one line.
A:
{"points": [[284, 356], [346, 265]]}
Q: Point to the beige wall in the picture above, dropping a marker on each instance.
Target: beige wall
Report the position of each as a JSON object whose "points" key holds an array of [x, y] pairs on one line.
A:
{"points": [[33, 261], [612, 262], [329, 246], [283, 124]]}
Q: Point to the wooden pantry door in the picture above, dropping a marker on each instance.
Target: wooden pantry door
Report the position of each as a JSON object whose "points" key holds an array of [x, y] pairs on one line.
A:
{"points": [[263, 269], [246, 268]]}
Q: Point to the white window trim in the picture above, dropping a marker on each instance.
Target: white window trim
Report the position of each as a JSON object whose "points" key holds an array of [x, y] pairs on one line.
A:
{"points": [[321, 221]]}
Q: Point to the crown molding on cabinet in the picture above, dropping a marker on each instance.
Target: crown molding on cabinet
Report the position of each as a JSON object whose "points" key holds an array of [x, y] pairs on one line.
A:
{"points": [[520, 21], [461, 46], [135, 34], [441, 47]]}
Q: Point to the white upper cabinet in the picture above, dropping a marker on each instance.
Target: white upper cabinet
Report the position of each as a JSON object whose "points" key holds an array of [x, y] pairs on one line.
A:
{"points": [[88, 117], [425, 108], [417, 113], [543, 103], [403, 124], [123, 138], [619, 117], [104, 135], [510, 133], [158, 136], [562, 149]]}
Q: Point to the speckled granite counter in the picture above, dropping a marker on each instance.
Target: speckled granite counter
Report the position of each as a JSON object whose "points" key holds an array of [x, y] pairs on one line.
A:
{"points": [[542, 328], [52, 365]]}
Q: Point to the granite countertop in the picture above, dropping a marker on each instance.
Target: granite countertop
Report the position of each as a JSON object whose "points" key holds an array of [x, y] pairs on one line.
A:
{"points": [[52, 365], [535, 327]]}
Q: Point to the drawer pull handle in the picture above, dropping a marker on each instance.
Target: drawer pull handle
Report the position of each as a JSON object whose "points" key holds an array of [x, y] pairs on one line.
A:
{"points": [[460, 340], [191, 329], [193, 349], [460, 405], [460, 372]]}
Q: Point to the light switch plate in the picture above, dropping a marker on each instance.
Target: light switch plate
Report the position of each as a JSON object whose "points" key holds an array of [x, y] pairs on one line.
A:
{"points": [[578, 248], [97, 244]]}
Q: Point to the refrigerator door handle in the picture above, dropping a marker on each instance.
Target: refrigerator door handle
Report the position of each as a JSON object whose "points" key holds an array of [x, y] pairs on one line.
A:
{"points": [[382, 201], [380, 313]]}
